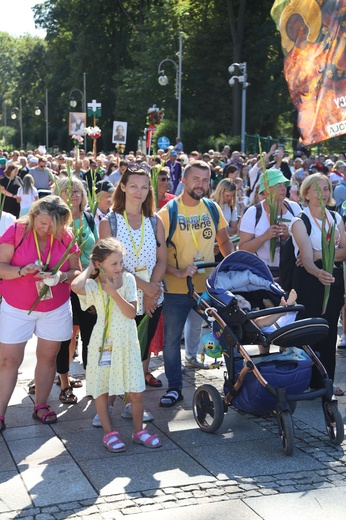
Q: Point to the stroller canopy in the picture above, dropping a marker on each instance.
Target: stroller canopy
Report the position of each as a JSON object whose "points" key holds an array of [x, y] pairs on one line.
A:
{"points": [[240, 271]]}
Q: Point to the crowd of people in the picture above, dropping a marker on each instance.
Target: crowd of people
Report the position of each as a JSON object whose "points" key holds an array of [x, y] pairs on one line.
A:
{"points": [[71, 268]]}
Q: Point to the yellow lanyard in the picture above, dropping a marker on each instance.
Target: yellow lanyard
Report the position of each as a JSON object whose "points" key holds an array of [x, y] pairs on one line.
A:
{"points": [[39, 252], [136, 249], [108, 308], [196, 242]]}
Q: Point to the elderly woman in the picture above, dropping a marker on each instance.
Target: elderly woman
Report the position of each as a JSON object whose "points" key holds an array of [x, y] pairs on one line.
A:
{"points": [[74, 194], [309, 278], [255, 228], [29, 250]]}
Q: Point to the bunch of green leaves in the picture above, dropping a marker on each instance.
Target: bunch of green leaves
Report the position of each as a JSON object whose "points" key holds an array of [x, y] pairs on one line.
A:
{"points": [[154, 172], [272, 203], [328, 247]]}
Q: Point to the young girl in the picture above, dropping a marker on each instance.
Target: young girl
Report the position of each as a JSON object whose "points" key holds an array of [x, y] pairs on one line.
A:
{"points": [[114, 359], [27, 194]]}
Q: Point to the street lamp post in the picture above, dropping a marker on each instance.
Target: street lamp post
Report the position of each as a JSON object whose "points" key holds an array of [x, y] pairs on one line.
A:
{"points": [[243, 81], [20, 114], [163, 80], [38, 113]]}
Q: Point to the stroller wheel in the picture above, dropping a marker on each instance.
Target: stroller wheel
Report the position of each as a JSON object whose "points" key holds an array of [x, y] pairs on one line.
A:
{"points": [[286, 431], [208, 408], [334, 422], [293, 406]]}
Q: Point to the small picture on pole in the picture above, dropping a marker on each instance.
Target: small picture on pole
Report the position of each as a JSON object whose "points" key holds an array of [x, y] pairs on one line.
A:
{"points": [[76, 124], [119, 132]]}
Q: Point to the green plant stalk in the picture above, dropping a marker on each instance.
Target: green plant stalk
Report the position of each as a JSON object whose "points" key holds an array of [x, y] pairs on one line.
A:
{"points": [[154, 183], [328, 248], [55, 269], [272, 203]]}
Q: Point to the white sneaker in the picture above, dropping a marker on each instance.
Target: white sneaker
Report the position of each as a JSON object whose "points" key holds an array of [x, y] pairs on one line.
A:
{"points": [[342, 342], [127, 414], [96, 420]]}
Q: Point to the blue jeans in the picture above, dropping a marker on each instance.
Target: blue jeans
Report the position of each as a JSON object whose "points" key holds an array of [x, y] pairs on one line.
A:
{"points": [[192, 333], [176, 308]]}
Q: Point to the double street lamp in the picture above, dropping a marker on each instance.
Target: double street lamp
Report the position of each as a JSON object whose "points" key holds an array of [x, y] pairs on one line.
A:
{"points": [[163, 80], [38, 113], [14, 112], [243, 81]]}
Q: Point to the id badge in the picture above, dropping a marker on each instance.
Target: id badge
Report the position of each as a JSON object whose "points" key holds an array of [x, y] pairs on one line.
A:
{"points": [[142, 272], [105, 359], [39, 286], [198, 259]]}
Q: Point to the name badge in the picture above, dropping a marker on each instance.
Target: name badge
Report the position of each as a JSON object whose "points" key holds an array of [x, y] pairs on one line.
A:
{"points": [[105, 359], [197, 260], [39, 286], [142, 272]]}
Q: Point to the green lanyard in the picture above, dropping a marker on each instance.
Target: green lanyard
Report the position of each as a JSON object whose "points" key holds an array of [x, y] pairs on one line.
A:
{"points": [[136, 249], [108, 309]]}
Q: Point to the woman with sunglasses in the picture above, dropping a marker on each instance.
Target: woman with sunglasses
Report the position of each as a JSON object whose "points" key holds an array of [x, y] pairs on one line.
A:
{"points": [[143, 236], [225, 196], [29, 249]]}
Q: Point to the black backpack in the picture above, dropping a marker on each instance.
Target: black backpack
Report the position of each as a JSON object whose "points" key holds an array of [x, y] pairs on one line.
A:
{"points": [[287, 257]]}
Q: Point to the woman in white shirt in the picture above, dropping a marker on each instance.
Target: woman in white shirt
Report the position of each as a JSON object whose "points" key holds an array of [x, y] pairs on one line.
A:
{"points": [[309, 277], [27, 194]]}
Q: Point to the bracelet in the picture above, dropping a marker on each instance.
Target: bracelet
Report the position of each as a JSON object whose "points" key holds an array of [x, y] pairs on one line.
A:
{"points": [[20, 271]]}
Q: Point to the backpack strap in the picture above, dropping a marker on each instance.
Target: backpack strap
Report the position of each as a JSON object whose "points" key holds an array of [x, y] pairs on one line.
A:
{"points": [[288, 207], [211, 207], [90, 220], [112, 219], [306, 221], [173, 219], [258, 207]]}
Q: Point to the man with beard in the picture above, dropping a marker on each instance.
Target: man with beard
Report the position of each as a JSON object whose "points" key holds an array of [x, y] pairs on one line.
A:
{"points": [[199, 222]]}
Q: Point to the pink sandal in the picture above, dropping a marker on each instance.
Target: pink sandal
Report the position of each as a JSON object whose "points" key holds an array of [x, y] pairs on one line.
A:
{"points": [[144, 437], [2, 423], [47, 418], [112, 442]]}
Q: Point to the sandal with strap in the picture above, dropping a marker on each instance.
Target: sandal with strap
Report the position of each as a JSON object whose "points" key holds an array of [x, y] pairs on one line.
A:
{"points": [[32, 389], [151, 380], [144, 437], [74, 383], [171, 397], [47, 418], [2, 423], [112, 442], [67, 396]]}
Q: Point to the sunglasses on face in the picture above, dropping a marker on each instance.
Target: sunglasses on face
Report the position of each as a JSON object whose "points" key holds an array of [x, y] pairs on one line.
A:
{"points": [[164, 179]]}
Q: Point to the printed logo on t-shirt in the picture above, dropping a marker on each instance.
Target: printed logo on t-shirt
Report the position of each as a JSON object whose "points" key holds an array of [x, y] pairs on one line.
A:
{"points": [[196, 224]]}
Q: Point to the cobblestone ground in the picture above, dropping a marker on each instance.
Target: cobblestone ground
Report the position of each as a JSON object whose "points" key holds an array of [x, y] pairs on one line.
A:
{"points": [[309, 440]]}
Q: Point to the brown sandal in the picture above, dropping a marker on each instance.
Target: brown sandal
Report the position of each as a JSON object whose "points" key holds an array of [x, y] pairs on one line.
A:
{"points": [[67, 396], [151, 380]]}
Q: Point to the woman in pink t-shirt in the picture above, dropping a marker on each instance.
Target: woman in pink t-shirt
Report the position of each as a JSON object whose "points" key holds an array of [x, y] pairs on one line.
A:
{"points": [[29, 249]]}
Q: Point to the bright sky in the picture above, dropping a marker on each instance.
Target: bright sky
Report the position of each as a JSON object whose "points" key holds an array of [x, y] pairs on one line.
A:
{"points": [[17, 18]]}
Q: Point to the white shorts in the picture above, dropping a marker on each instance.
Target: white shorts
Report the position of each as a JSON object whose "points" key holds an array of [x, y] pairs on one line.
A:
{"points": [[17, 326]]}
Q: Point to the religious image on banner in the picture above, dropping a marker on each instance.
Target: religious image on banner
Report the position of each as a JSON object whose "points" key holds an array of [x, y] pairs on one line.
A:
{"points": [[313, 39], [119, 132], [76, 123]]}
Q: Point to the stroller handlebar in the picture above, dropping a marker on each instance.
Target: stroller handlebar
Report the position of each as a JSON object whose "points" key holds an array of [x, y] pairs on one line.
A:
{"points": [[274, 310], [201, 265]]}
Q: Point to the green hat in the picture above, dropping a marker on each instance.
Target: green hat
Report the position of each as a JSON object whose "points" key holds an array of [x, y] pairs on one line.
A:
{"points": [[3, 161], [274, 177]]}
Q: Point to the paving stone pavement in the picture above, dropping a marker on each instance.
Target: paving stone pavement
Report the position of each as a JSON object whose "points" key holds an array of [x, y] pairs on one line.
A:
{"points": [[62, 471]]}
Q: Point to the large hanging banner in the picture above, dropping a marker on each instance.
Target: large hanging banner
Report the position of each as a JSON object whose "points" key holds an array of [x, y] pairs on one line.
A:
{"points": [[313, 39]]}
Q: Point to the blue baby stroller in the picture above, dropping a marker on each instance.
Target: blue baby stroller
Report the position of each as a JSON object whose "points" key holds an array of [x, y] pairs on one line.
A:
{"points": [[260, 384]]}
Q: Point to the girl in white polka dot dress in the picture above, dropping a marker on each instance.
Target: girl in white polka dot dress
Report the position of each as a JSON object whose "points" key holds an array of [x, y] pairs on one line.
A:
{"points": [[114, 358]]}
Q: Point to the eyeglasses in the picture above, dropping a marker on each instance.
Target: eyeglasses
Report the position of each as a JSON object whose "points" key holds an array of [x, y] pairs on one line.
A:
{"points": [[164, 179], [51, 206], [78, 193]]}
